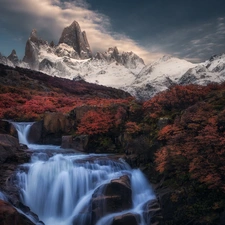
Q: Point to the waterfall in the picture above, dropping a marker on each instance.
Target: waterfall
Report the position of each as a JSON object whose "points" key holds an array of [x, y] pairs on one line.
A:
{"points": [[59, 189], [22, 129]]}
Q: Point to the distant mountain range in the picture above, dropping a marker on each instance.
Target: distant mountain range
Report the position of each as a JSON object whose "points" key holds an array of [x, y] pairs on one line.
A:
{"points": [[72, 58]]}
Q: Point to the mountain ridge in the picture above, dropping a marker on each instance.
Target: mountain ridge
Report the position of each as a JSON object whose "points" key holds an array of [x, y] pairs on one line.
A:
{"points": [[72, 58]]}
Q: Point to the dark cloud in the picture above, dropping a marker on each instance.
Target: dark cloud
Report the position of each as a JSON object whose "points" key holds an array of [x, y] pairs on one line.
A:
{"points": [[190, 29], [49, 17], [169, 26]]}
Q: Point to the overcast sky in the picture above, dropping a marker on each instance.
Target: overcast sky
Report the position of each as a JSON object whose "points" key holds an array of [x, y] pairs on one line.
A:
{"points": [[191, 29]]}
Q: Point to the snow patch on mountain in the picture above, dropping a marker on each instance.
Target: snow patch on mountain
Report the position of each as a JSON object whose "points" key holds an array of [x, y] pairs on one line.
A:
{"points": [[212, 70], [158, 76], [72, 58]]}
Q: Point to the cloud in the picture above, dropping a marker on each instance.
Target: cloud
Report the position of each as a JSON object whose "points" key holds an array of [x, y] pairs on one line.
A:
{"points": [[49, 17], [196, 42]]}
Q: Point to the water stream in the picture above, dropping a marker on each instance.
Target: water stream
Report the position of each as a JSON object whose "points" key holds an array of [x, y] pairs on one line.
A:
{"points": [[59, 188], [23, 129]]}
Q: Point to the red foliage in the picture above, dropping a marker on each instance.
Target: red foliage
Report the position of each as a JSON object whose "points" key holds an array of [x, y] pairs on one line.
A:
{"points": [[178, 97], [95, 122], [196, 140], [132, 128]]}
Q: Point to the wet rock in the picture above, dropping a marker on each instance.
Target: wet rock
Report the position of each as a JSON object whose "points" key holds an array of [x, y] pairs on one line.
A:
{"points": [[115, 196], [54, 126], [153, 213], [78, 143], [11, 155], [8, 146], [35, 133], [4, 127], [125, 219], [10, 216]]}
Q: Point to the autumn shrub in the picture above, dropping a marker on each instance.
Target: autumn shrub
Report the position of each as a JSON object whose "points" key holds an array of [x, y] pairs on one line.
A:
{"points": [[95, 122]]}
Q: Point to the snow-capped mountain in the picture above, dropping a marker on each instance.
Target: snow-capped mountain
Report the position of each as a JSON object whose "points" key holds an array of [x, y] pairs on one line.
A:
{"points": [[212, 70], [72, 58], [159, 76]]}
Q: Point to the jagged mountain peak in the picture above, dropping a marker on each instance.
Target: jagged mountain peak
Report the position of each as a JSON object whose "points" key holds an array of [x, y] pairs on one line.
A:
{"points": [[165, 58], [127, 59], [13, 57], [72, 58], [74, 37], [33, 46], [33, 33]]}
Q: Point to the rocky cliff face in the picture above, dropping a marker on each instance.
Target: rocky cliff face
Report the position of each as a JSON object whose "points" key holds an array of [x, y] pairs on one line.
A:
{"points": [[13, 57], [32, 49], [128, 59], [74, 37], [72, 58]]}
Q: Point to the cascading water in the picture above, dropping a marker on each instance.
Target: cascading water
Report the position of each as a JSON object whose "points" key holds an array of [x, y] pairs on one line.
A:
{"points": [[23, 129], [60, 188], [3, 197]]}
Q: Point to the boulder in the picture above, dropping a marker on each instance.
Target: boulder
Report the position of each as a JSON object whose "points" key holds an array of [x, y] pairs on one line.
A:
{"points": [[10, 216], [5, 127], [54, 126], [78, 143], [8, 146], [115, 196], [125, 219], [35, 133]]}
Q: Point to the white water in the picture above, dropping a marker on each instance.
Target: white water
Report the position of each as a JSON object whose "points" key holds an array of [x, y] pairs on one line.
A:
{"points": [[59, 189], [23, 129], [3, 197]]}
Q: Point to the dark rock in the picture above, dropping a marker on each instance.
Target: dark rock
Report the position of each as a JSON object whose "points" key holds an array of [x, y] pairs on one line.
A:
{"points": [[52, 44], [113, 197], [73, 37], [187, 78], [153, 213], [126, 219], [35, 133], [79, 143], [46, 64], [10, 216], [54, 126], [8, 146], [128, 59], [5, 127], [67, 141]]}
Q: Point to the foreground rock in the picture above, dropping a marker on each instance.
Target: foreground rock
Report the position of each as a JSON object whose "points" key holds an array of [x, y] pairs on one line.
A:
{"points": [[54, 126], [153, 213], [125, 219], [10, 216], [8, 146], [115, 196]]}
